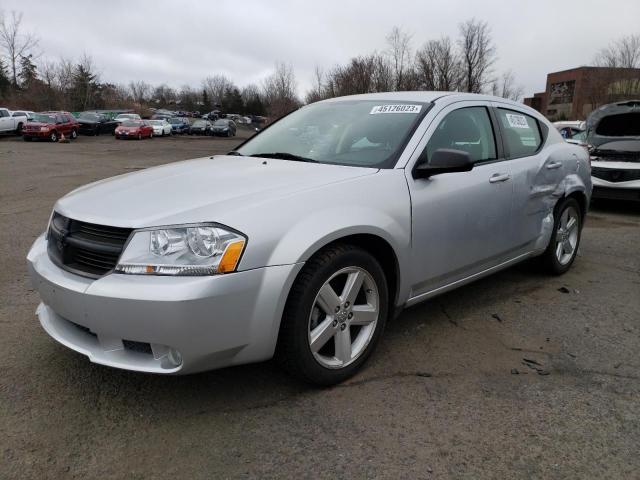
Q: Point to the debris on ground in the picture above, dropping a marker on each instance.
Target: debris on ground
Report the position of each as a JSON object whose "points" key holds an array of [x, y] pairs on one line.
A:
{"points": [[564, 290], [497, 317]]}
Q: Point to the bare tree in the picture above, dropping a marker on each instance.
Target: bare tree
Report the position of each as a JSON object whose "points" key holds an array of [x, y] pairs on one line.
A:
{"points": [[279, 90], [477, 53], [506, 87], [216, 87], [438, 66], [14, 43], [622, 53], [140, 91], [399, 50]]}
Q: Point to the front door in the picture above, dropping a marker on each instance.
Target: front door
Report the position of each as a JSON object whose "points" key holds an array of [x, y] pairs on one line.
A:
{"points": [[460, 220]]}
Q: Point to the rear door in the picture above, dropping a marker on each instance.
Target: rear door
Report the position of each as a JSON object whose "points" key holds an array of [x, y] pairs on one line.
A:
{"points": [[460, 221], [537, 173]]}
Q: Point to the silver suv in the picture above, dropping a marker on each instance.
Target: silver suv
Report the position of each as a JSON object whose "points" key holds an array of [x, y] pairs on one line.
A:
{"points": [[305, 240]]}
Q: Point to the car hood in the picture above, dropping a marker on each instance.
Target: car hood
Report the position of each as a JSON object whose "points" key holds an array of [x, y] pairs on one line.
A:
{"points": [[200, 190], [127, 129], [87, 121]]}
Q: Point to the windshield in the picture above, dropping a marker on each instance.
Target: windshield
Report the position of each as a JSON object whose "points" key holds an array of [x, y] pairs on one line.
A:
{"points": [[175, 121], [41, 117], [131, 123], [221, 123], [127, 115], [155, 122], [199, 123], [622, 125], [367, 133], [88, 116]]}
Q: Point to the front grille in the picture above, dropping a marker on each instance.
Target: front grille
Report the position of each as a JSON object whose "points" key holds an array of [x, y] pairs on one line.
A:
{"points": [[615, 175], [85, 248]]}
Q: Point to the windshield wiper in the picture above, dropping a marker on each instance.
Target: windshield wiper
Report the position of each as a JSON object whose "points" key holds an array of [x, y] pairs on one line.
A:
{"points": [[235, 153], [284, 156]]}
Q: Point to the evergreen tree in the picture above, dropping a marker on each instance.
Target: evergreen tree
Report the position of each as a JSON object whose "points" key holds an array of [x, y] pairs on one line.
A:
{"points": [[83, 86], [28, 72], [5, 82], [206, 104]]}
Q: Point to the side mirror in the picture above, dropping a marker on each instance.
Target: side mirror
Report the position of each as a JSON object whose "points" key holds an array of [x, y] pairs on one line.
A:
{"points": [[443, 160]]}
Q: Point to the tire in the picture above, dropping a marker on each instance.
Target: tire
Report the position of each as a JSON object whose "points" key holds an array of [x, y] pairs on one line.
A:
{"points": [[53, 136], [139, 136], [97, 132], [74, 134], [303, 314], [26, 139], [564, 243], [19, 129]]}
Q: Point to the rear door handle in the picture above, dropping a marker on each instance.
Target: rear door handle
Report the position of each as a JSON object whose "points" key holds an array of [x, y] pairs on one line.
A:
{"points": [[553, 165], [499, 177]]}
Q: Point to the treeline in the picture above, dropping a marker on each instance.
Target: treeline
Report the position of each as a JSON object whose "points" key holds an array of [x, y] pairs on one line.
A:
{"points": [[463, 63]]}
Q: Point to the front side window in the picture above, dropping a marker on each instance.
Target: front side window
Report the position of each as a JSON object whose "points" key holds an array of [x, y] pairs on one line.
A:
{"points": [[4, 113], [521, 133], [468, 129], [365, 133]]}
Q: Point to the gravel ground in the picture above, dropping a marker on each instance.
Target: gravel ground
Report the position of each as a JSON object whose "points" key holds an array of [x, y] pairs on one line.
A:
{"points": [[517, 375]]}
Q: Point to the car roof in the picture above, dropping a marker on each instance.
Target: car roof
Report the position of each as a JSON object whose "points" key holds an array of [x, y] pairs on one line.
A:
{"points": [[424, 97]]}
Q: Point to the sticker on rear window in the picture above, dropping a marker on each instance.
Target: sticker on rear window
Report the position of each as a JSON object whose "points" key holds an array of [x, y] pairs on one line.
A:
{"points": [[395, 109], [517, 121]]}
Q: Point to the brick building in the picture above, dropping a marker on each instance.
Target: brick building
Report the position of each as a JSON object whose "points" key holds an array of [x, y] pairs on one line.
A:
{"points": [[573, 94]]}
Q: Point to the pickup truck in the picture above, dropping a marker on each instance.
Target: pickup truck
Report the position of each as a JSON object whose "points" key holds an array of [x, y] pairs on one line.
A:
{"points": [[9, 123]]}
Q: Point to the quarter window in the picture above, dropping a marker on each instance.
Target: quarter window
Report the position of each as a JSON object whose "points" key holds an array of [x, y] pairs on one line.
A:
{"points": [[468, 129], [521, 133]]}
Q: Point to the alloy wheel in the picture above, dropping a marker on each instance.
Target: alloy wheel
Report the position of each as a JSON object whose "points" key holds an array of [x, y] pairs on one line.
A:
{"points": [[341, 326], [567, 235]]}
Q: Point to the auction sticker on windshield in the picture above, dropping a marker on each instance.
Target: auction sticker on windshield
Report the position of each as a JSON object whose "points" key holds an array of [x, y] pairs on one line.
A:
{"points": [[395, 109], [517, 121]]}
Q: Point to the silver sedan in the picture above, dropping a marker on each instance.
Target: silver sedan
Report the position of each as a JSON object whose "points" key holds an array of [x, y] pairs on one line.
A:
{"points": [[304, 241]]}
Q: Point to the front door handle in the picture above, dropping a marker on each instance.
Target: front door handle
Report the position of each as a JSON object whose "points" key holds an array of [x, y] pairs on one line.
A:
{"points": [[553, 165], [499, 177]]}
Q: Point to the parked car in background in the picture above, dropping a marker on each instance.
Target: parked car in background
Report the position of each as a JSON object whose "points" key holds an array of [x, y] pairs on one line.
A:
{"points": [[161, 116], [93, 123], [572, 131], [613, 136], [137, 129], [127, 116], [201, 127], [23, 113], [10, 123], [161, 128], [51, 126], [224, 127], [179, 124], [315, 232]]}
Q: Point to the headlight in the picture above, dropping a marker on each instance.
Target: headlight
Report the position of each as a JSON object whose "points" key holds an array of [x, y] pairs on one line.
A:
{"points": [[185, 250], [44, 129]]}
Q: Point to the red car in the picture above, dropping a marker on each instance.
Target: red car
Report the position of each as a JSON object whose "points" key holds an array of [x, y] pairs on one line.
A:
{"points": [[134, 129], [51, 126]]}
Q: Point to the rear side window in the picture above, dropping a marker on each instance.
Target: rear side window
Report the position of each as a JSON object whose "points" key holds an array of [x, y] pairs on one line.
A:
{"points": [[468, 129], [521, 133]]}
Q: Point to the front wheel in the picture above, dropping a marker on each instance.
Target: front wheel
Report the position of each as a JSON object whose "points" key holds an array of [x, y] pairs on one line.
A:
{"points": [[565, 237], [334, 316], [53, 136], [74, 134]]}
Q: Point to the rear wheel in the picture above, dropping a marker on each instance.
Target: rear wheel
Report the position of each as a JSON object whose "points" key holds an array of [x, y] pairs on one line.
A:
{"points": [[19, 129], [139, 136], [334, 316], [74, 134], [565, 237]]}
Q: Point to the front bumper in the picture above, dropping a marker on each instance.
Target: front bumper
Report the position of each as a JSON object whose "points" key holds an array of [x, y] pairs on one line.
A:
{"points": [[616, 180], [132, 321], [36, 133]]}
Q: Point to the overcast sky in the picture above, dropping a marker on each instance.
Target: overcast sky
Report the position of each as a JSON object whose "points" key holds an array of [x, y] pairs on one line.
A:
{"points": [[182, 41]]}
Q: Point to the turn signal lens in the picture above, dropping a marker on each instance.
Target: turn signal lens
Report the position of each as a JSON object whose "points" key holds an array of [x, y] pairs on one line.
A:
{"points": [[231, 257]]}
